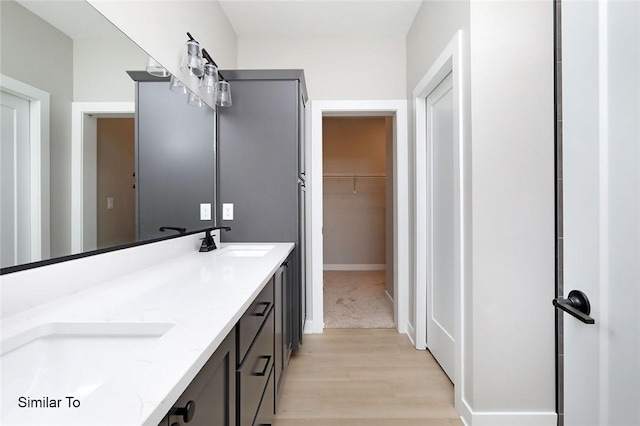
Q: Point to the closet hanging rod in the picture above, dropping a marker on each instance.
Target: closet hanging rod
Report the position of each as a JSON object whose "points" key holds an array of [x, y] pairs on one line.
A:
{"points": [[342, 176]]}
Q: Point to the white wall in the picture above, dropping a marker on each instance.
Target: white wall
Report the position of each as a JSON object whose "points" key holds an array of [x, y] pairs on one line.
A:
{"points": [[513, 207], [335, 68], [508, 359], [160, 29], [433, 28]]}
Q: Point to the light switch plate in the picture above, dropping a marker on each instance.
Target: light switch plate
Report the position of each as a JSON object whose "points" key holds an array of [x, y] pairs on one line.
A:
{"points": [[109, 203], [227, 211], [205, 211]]}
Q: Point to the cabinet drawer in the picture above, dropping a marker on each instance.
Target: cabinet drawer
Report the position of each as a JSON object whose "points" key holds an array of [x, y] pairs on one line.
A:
{"points": [[253, 319], [254, 373], [266, 411], [212, 393]]}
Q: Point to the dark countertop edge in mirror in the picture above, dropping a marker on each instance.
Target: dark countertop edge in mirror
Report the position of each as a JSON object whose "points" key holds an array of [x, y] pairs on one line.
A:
{"points": [[26, 266], [145, 76], [273, 74]]}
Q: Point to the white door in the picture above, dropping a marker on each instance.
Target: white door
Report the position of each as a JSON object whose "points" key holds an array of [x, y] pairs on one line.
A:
{"points": [[442, 247], [15, 187], [601, 174]]}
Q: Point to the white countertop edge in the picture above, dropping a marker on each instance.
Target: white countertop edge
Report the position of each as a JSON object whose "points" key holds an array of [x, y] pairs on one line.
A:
{"points": [[121, 299]]}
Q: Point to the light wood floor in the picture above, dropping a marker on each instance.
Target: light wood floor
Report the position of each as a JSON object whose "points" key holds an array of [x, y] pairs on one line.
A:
{"points": [[358, 377]]}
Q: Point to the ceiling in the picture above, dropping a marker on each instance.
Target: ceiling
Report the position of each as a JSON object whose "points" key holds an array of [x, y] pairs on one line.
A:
{"points": [[259, 18], [321, 18], [75, 18]]}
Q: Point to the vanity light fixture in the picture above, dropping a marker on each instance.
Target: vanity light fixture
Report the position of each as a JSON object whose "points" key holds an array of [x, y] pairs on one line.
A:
{"points": [[209, 79], [192, 57], [194, 100], [199, 63], [223, 94], [154, 68], [177, 86]]}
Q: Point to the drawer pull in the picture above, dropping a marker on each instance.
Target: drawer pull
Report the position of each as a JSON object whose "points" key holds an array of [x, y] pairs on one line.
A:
{"points": [[186, 412], [267, 306], [267, 359]]}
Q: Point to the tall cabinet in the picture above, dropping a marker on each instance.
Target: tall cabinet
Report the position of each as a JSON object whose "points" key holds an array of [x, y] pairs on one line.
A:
{"points": [[175, 157], [261, 171]]}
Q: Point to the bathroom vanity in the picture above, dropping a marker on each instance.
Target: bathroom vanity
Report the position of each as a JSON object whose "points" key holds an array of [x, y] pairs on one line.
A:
{"points": [[147, 346]]}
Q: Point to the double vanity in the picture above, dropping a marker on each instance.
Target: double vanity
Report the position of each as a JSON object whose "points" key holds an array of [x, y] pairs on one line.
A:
{"points": [[192, 338]]}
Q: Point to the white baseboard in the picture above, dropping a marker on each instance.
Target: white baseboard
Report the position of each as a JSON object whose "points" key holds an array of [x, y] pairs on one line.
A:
{"points": [[312, 327], [411, 334], [511, 418], [354, 267], [388, 297]]}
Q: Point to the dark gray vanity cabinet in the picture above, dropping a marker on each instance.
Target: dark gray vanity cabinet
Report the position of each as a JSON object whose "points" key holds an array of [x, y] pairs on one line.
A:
{"points": [[175, 159], [282, 283], [210, 399], [240, 383], [255, 358], [261, 170]]}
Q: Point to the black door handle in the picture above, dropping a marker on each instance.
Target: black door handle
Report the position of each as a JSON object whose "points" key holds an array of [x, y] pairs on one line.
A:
{"points": [[577, 305]]}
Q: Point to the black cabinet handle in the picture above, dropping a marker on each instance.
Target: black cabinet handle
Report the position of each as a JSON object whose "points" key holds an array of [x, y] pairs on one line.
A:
{"points": [[186, 412], [267, 359], [267, 306], [577, 305]]}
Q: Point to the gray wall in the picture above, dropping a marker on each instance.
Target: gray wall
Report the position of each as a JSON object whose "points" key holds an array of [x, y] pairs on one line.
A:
{"points": [[25, 54], [102, 78]]}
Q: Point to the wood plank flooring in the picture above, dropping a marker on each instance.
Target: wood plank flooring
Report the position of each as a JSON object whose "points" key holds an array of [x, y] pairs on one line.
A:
{"points": [[357, 377]]}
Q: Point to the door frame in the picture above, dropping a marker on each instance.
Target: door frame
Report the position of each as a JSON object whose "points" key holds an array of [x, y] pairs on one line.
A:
{"points": [[39, 141], [449, 61], [83, 145], [397, 109]]}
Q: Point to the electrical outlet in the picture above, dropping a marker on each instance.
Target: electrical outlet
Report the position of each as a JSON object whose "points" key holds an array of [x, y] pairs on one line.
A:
{"points": [[227, 211], [205, 211], [109, 203]]}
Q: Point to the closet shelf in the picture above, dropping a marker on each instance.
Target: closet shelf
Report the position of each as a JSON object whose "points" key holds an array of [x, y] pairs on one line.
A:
{"points": [[354, 177]]}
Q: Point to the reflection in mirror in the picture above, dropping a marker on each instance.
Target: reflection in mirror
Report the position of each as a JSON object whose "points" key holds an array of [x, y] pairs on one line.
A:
{"points": [[68, 164]]}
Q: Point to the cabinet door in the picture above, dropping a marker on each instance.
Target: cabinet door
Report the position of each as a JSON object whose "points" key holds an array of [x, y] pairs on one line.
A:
{"points": [[267, 406], [282, 320], [253, 374], [278, 340], [212, 392]]}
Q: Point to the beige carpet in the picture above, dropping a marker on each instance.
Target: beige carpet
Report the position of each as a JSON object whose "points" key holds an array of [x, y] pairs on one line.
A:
{"points": [[356, 299]]}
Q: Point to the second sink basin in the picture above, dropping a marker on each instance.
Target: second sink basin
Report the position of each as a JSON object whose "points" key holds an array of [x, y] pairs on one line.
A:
{"points": [[69, 359], [241, 250]]}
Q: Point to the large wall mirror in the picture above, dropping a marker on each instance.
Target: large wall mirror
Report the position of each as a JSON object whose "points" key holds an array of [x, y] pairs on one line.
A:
{"points": [[71, 168]]}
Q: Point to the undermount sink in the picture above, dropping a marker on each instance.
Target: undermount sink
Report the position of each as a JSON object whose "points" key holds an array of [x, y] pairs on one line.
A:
{"points": [[245, 253], [70, 358], [246, 250]]}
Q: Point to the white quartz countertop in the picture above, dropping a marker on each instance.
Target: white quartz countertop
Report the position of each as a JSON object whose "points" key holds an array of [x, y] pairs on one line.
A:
{"points": [[126, 349]]}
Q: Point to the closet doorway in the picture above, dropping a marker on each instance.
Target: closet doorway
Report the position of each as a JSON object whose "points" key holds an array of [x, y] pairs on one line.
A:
{"points": [[357, 163]]}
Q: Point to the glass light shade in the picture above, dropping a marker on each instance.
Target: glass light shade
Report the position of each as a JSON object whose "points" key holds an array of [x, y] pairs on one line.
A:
{"points": [[192, 59], [154, 68], [177, 86], [223, 95], [194, 100], [209, 79]]}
